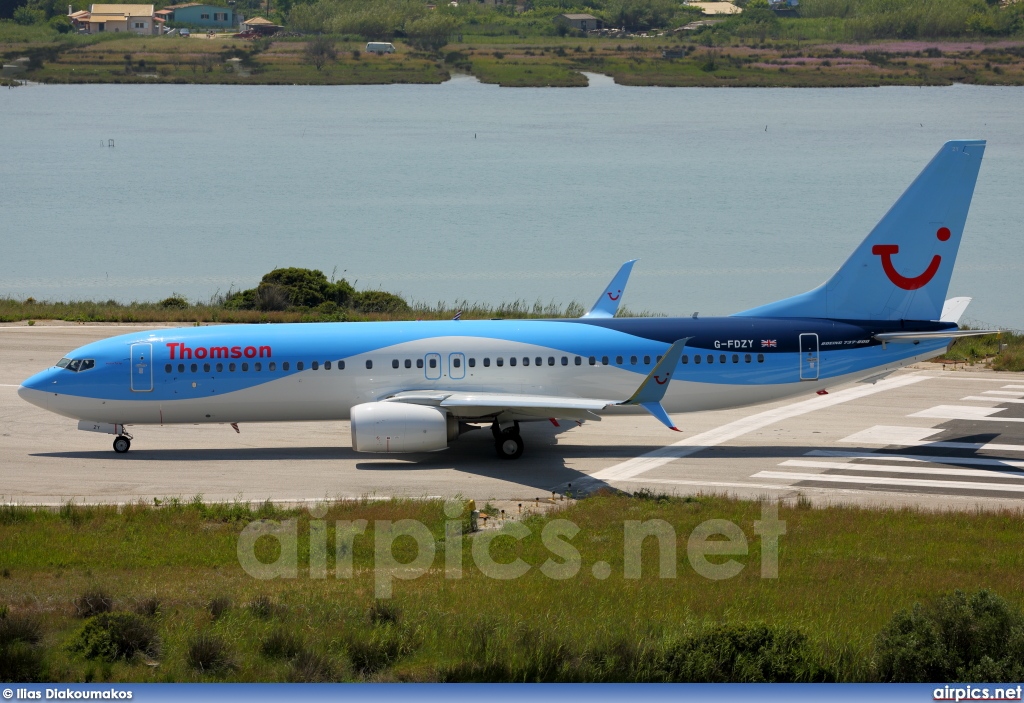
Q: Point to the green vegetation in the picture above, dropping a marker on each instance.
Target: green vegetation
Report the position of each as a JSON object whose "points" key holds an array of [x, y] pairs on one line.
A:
{"points": [[1004, 351], [283, 295], [862, 595]]}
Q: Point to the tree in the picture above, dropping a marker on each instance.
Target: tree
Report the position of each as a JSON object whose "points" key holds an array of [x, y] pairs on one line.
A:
{"points": [[26, 16], [319, 51], [431, 33]]}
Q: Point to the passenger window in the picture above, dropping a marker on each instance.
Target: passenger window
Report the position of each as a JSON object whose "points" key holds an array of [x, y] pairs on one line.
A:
{"points": [[220, 367], [746, 358], [433, 363], [760, 358], [711, 359], [592, 360], [735, 358], [299, 365], [341, 364], [327, 366], [618, 360], [658, 360], [721, 359], [168, 368], [419, 363], [511, 361], [526, 361], [540, 362], [487, 361], [245, 366], [408, 363], [685, 359], [259, 367], [632, 360], [181, 368], [501, 362], [272, 366], [472, 362], [206, 368], [604, 360], [394, 363], [369, 363], [285, 366], [195, 367], [315, 365], [647, 361], [696, 358], [457, 362], [231, 366], [551, 361]]}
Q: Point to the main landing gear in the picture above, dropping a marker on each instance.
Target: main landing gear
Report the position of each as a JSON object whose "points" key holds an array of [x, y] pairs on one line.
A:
{"points": [[507, 442], [122, 443]]}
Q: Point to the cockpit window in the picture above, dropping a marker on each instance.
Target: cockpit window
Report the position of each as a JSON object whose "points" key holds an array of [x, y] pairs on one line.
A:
{"points": [[76, 365]]}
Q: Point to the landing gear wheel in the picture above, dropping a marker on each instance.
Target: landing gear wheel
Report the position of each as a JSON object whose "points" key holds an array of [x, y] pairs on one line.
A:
{"points": [[122, 444], [509, 445]]}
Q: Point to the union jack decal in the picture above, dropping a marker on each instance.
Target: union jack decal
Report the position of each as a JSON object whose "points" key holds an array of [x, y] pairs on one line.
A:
{"points": [[769, 343]]}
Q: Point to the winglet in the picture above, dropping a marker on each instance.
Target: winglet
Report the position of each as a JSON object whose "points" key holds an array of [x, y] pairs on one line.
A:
{"points": [[608, 304], [648, 396]]}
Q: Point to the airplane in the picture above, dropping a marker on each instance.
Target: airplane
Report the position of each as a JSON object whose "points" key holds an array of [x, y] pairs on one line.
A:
{"points": [[416, 386]]}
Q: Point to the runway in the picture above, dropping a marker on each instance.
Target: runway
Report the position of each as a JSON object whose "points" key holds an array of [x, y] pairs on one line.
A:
{"points": [[924, 436]]}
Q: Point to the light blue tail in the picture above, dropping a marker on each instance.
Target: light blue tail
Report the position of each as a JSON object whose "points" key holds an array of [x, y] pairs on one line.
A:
{"points": [[902, 270]]}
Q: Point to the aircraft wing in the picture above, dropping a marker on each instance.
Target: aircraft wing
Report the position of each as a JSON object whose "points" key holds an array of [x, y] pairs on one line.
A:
{"points": [[608, 302], [508, 407]]}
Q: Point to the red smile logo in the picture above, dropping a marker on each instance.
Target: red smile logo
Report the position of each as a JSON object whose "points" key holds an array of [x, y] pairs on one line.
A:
{"points": [[887, 250], [615, 297], [659, 381]]}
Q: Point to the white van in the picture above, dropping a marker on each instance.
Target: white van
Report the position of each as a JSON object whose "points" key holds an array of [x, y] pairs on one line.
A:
{"points": [[380, 47]]}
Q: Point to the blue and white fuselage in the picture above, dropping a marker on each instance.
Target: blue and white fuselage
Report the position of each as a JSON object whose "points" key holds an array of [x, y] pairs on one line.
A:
{"points": [[410, 386]]}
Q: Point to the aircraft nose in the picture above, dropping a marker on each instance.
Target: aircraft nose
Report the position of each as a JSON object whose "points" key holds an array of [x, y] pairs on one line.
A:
{"points": [[36, 389]]}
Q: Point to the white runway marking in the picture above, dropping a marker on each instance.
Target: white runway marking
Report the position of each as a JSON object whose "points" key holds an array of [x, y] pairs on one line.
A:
{"points": [[992, 399], [900, 469], [1019, 388], [659, 457], [919, 458], [1013, 394], [916, 437], [965, 412], [10, 385], [871, 480]]}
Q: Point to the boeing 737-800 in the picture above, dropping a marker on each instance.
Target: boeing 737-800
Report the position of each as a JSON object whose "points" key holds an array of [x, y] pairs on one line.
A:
{"points": [[414, 386]]}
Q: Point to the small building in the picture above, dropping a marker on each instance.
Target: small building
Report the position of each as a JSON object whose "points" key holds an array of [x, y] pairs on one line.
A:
{"points": [[194, 14], [137, 19], [260, 25], [584, 23]]}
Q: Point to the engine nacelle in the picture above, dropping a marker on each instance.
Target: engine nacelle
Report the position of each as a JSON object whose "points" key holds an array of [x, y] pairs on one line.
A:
{"points": [[401, 427]]}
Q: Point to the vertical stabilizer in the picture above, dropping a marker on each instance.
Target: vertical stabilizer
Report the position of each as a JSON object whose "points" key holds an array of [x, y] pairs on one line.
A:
{"points": [[901, 271]]}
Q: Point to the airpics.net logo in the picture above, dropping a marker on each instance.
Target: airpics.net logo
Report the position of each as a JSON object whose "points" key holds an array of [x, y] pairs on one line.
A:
{"points": [[712, 548]]}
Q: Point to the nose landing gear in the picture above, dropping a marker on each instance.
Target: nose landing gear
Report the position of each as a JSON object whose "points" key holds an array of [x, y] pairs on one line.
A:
{"points": [[122, 443]]}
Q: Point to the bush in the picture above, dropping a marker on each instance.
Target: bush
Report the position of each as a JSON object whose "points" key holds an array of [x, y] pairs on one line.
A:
{"points": [[175, 301], [218, 607], [742, 654], [26, 16], [21, 659], [209, 653], [379, 301], [281, 644], [61, 23], [957, 638], [94, 602], [380, 649], [311, 667], [113, 636], [261, 607], [148, 607], [384, 612]]}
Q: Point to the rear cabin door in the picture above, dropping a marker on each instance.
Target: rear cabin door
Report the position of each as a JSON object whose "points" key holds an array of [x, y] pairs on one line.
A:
{"points": [[809, 362], [142, 367]]}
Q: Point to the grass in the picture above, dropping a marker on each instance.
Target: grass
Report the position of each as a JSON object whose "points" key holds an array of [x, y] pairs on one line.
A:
{"points": [[844, 573], [1004, 352]]}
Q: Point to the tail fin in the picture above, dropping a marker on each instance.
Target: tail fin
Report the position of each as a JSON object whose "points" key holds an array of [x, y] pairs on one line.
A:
{"points": [[902, 270]]}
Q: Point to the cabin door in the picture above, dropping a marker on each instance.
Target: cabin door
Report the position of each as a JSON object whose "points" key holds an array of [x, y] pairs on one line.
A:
{"points": [[809, 362], [142, 367]]}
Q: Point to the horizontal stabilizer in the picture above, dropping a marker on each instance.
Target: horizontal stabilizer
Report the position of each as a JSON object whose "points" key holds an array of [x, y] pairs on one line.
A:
{"points": [[608, 303], [953, 309], [914, 337]]}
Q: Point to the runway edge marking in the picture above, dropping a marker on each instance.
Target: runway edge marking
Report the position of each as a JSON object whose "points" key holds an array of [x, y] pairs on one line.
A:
{"points": [[737, 428]]}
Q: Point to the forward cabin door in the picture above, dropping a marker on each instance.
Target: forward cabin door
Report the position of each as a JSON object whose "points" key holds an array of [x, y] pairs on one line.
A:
{"points": [[809, 361], [142, 367]]}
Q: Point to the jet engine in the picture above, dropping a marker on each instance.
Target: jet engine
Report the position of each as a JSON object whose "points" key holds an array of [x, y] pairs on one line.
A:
{"points": [[401, 427]]}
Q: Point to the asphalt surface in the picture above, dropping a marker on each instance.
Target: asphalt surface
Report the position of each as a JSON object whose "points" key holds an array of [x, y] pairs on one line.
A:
{"points": [[925, 436]]}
